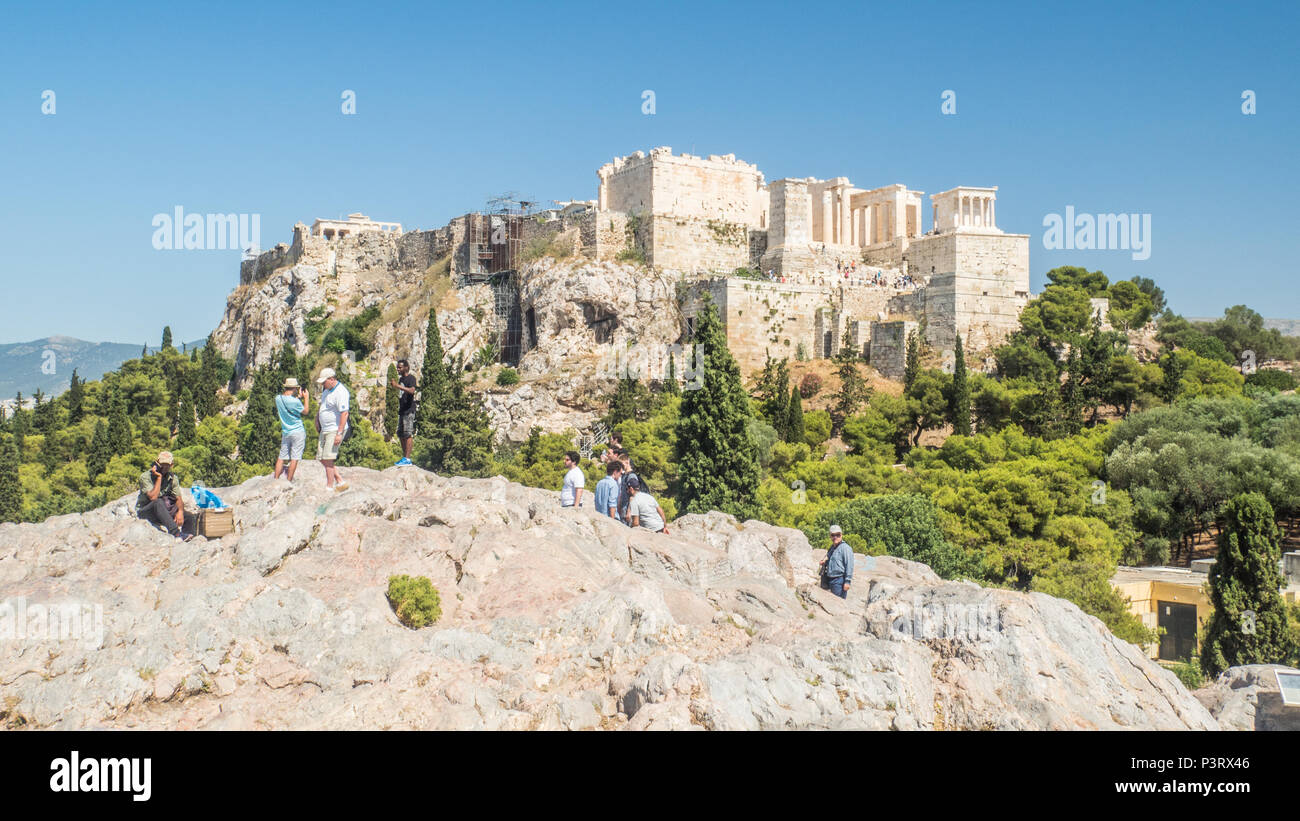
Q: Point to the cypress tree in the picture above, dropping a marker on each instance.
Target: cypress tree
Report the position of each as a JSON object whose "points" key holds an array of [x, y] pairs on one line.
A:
{"points": [[11, 488], [167, 338], [912, 363], [794, 428], [960, 393], [205, 400], [453, 433], [100, 452], [391, 402], [76, 399], [259, 440], [120, 437], [18, 427], [433, 378], [854, 391], [185, 434], [717, 458], [1249, 625], [671, 388]]}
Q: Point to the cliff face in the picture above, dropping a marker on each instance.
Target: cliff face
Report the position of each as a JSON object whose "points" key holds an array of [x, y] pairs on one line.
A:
{"points": [[578, 318], [551, 618]]}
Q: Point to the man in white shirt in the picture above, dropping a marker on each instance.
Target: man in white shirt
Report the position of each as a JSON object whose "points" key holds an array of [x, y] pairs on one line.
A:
{"points": [[332, 422], [643, 510], [574, 481]]}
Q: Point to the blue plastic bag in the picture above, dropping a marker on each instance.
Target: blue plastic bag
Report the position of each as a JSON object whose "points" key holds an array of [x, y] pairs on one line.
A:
{"points": [[206, 499]]}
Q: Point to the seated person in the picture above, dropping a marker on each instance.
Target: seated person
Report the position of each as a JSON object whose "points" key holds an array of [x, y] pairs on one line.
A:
{"points": [[160, 500], [643, 510]]}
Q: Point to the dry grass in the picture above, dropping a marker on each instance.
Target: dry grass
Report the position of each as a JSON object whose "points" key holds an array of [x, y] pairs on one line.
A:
{"points": [[432, 291]]}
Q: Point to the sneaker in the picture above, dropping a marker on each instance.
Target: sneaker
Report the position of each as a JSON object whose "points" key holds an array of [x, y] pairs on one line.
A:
{"points": [[340, 487], [187, 537], [403, 462]]}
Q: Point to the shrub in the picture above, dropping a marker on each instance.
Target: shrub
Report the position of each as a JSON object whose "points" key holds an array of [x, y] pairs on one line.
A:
{"points": [[810, 385], [414, 600], [1272, 379], [508, 376], [1189, 673]]}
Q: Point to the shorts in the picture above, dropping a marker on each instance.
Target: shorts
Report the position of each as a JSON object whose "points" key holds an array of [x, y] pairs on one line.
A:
{"points": [[406, 426], [326, 450], [292, 445]]}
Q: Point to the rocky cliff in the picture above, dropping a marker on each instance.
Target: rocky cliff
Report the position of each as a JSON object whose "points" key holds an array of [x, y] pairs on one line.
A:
{"points": [[581, 316], [552, 618]]}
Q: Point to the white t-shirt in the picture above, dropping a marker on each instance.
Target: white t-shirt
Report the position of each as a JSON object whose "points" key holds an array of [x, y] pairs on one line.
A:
{"points": [[333, 404], [573, 480], [646, 509]]}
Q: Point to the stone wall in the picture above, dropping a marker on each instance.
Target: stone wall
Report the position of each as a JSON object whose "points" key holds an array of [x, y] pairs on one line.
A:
{"points": [[718, 188], [888, 350], [978, 284]]}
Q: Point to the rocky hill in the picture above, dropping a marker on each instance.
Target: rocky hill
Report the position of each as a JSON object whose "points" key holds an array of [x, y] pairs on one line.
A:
{"points": [[552, 618], [48, 363]]}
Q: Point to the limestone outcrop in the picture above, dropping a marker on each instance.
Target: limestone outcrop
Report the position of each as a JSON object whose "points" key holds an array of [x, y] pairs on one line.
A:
{"points": [[1248, 698], [551, 618]]}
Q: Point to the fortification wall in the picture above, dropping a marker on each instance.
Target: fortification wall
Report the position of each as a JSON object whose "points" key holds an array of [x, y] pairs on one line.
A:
{"points": [[888, 350]]}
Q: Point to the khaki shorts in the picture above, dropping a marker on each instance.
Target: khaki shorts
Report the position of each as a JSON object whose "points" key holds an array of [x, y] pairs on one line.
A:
{"points": [[326, 450]]}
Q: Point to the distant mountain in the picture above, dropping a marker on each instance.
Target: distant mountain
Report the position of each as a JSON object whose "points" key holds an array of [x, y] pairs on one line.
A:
{"points": [[1287, 327], [48, 363]]}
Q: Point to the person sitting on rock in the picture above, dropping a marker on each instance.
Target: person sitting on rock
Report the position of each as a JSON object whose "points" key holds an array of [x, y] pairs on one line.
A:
{"points": [[607, 490], [837, 567], [160, 499], [643, 510]]}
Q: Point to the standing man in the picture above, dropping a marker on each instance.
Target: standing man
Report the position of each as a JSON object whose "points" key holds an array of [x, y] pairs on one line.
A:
{"points": [[332, 421], [607, 490], [574, 481], [405, 410], [837, 567], [291, 404], [160, 501], [643, 510], [626, 476]]}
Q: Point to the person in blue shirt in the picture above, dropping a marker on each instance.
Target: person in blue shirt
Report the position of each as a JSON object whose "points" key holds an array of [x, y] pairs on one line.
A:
{"points": [[607, 490], [290, 406], [837, 567]]}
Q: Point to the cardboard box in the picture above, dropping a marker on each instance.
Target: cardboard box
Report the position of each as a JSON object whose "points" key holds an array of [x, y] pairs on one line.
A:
{"points": [[213, 524]]}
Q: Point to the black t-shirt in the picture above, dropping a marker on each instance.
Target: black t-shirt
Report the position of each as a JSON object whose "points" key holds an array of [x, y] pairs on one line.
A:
{"points": [[407, 400]]}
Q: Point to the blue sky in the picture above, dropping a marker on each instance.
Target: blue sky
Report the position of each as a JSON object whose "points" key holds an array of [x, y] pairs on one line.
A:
{"points": [[1112, 107]]}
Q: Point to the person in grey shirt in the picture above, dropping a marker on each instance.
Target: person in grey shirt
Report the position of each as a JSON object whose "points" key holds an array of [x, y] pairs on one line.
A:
{"points": [[837, 567], [643, 510]]}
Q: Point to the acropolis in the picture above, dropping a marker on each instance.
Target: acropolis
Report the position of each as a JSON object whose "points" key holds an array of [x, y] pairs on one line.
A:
{"points": [[798, 267]]}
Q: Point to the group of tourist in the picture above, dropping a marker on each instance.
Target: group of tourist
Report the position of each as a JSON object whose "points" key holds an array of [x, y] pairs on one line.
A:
{"points": [[620, 494]]}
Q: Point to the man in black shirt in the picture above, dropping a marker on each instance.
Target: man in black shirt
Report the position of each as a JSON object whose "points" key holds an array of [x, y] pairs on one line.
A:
{"points": [[405, 409]]}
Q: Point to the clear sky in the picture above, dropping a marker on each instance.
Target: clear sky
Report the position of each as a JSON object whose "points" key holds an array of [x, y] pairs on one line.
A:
{"points": [[236, 108]]}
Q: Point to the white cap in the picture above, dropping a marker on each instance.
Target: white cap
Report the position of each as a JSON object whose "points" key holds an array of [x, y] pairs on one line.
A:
{"points": [[328, 373]]}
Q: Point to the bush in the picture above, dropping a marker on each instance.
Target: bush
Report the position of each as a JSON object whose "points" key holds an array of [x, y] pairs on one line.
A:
{"points": [[817, 428], [414, 600], [1272, 379], [508, 376], [810, 385], [1189, 673]]}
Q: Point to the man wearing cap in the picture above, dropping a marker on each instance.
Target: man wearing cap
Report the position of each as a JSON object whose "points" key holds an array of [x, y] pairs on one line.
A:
{"points": [[332, 422], [642, 509], [160, 499], [291, 404], [837, 567]]}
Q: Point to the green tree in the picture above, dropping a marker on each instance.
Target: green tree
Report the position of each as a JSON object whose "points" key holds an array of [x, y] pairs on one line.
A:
{"points": [[1249, 625], [259, 440], [11, 487], [76, 399], [120, 436], [716, 456], [205, 400], [854, 391], [100, 453], [960, 409], [166, 338], [905, 525], [671, 388], [912, 359], [1129, 306], [794, 430], [459, 442], [185, 434], [1094, 283], [1153, 293], [433, 377]]}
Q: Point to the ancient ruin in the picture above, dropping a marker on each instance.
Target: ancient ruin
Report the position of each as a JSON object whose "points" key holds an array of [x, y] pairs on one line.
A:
{"points": [[798, 268]]}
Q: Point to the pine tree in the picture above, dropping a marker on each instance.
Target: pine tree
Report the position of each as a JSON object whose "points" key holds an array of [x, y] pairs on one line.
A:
{"points": [[185, 434], [100, 452], [627, 403], [1249, 625], [854, 391], [76, 399], [11, 488], [794, 427], [167, 338], [391, 403], [259, 440], [912, 364], [960, 393], [205, 400], [1070, 421], [716, 456]]}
